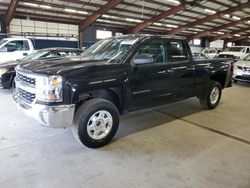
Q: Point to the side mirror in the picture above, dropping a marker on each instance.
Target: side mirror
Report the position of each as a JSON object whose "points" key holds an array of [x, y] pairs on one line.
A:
{"points": [[143, 59]]}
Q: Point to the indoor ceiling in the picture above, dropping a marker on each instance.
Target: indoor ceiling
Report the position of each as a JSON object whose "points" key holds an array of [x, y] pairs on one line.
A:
{"points": [[208, 18]]}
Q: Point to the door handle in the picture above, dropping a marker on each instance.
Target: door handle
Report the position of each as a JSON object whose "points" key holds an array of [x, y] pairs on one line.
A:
{"points": [[25, 54]]}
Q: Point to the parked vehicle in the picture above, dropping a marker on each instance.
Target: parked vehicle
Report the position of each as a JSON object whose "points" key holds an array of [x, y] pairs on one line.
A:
{"points": [[12, 49], [7, 70], [239, 52], [199, 55], [210, 53], [227, 56], [242, 70], [114, 76]]}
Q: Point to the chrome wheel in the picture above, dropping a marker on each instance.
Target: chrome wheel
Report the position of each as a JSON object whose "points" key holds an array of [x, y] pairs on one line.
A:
{"points": [[99, 125], [214, 96]]}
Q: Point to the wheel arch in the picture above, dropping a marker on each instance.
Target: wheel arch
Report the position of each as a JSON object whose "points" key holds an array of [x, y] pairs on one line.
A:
{"points": [[113, 95]]}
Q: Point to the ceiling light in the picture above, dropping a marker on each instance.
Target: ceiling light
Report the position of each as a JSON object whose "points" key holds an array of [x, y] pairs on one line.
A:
{"points": [[70, 10], [81, 12], [101, 20], [248, 21], [237, 35], [170, 25], [227, 15], [106, 16], [236, 18], [133, 20], [210, 11], [174, 1], [158, 24], [31, 4], [220, 33], [45, 6]]}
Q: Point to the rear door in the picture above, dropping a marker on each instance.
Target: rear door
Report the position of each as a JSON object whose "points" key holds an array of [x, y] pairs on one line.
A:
{"points": [[151, 84], [183, 68]]}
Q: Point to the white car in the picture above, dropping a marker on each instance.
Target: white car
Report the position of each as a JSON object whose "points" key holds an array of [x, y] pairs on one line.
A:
{"points": [[239, 52], [12, 49], [242, 70], [210, 53]]}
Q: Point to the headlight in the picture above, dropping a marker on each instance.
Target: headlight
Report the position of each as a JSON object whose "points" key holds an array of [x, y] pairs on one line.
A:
{"points": [[3, 71], [49, 89]]}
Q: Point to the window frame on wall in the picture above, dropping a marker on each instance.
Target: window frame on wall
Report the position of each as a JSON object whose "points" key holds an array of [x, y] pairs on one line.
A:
{"points": [[98, 31]]}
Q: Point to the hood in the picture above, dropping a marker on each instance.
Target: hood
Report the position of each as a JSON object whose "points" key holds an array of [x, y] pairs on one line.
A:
{"points": [[243, 63], [9, 64], [59, 66]]}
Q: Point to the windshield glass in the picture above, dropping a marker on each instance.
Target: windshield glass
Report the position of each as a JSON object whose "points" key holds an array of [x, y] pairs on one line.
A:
{"points": [[234, 49], [112, 50], [35, 55], [247, 58]]}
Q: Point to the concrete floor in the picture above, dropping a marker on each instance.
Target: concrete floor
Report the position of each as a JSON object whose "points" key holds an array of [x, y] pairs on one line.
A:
{"points": [[177, 145]]}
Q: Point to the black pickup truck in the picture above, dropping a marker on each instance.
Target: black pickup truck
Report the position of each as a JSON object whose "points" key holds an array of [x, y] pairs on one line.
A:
{"points": [[114, 76]]}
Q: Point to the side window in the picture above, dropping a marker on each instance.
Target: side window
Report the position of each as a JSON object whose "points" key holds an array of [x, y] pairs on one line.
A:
{"points": [[51, 54], [248, 50], [178, 51], [19, 45], [153, 49]]}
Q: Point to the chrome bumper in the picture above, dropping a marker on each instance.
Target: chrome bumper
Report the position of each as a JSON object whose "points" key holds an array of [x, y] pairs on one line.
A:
{"points": [[60, 116]]}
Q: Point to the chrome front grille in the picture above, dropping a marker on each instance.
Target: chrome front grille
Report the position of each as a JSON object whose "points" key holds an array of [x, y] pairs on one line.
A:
{"points": [[25, 86], [26, 79], [26, 96]]}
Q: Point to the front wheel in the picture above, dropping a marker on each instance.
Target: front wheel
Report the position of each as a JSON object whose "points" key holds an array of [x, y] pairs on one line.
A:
{"points": [[213, 96], [96, 123]]}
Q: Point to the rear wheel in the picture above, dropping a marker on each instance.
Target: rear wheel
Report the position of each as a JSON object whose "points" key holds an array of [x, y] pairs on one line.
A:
{"points": [[96, 123], [235, 81], [213, 96]]}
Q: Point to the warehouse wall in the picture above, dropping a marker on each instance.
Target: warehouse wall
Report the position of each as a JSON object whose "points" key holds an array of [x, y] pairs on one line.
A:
{"points": [[18, 26]]}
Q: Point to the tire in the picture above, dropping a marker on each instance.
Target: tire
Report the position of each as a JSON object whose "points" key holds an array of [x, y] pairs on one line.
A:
{"points": [[213, 96], [13, 85], [96, 123], [235, 81]]}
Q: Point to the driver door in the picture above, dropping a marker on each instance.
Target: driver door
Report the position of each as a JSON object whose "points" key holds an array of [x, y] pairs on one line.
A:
{"points": [[16, 49], [151, 78]]}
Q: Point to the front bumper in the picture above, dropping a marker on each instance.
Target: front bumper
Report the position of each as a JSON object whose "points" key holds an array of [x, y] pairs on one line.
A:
{"points": [[241, 75], [59, 116]]}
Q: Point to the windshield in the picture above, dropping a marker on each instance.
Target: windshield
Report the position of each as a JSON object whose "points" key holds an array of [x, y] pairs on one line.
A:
{"points": [[234, 49], [247, 58], [112, 50], [35, 55]]}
